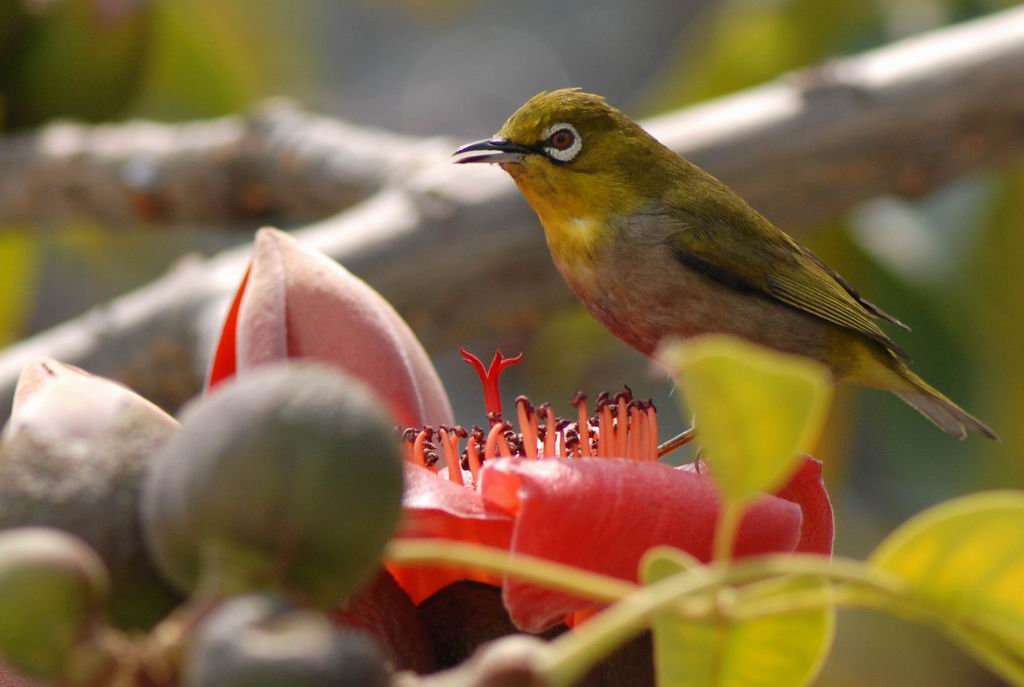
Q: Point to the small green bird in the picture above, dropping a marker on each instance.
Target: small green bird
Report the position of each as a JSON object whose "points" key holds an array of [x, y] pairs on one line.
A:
{"points": [[655, 246]]}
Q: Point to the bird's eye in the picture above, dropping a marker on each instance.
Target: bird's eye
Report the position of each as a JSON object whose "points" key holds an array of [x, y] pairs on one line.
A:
{"points": [[562, 139], [562, 142]]}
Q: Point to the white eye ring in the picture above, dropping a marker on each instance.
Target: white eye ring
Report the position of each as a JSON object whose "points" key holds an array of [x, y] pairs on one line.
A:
{"points": [[569, 153]]}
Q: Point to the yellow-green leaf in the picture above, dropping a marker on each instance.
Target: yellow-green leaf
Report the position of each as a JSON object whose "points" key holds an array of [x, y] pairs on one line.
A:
{"points": [[755, 409], [966, 557], [780, 650], [17, 269]]}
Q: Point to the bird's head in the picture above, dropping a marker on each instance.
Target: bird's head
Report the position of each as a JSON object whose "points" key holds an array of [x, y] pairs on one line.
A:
{"points": [[573, 154]]}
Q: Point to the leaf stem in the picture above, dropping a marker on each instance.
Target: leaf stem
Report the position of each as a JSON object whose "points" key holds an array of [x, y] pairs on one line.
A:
{"points": [[573, 654], [725, 531], [564, 578]]}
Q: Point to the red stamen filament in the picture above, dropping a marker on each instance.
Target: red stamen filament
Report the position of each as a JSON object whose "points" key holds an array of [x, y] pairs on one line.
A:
{"points": [[635, 432], [583, 425], [549, 432], [606, 437], [621, 428], [524, 412], [652, 432], [419, 447], [497, 444], [473, 456], [451, 457]]}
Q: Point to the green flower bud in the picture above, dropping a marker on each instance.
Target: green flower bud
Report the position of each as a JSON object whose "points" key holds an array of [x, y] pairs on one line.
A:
{"points": [[259, 641], [287, 479], [53, 589]]}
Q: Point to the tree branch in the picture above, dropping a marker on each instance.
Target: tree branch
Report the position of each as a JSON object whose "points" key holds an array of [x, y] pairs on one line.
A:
{"points": [[276, 163], [459, 253]]}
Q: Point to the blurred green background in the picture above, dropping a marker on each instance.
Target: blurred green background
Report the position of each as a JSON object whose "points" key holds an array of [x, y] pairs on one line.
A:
{"points": [[947, 263]]}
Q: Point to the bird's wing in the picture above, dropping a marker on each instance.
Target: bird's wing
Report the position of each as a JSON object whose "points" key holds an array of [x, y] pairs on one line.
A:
{"points": [[750, 254]]}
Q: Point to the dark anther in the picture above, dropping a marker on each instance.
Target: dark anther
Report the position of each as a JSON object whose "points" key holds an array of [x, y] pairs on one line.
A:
{"points": [[432, 458], [460, 431], [409, 434], [514, 441], [603, 399], [578, 398], [525, 400]]}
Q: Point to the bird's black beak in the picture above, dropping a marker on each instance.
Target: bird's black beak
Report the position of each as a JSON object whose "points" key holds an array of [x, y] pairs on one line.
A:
{"points": [[492, 150]]}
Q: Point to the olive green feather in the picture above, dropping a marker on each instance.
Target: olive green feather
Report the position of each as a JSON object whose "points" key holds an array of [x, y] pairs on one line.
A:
{"points": [[728, 241]]}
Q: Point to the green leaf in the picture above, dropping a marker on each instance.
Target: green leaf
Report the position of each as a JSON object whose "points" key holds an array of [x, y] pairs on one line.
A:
{"points": [[966, 557], [755, 409], [782, 650], [17, 271]]}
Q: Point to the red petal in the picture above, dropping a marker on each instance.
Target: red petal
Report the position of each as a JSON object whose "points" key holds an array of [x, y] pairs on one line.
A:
{"points": [[223, 364], [807, 490], [436, 508], [301, 304], [602, 515]]}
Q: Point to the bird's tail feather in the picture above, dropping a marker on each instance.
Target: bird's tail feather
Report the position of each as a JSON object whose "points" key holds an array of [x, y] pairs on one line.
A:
{"points": [[947, 416]]}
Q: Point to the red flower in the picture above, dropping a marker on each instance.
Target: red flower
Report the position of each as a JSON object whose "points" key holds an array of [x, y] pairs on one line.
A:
{"points": [[599, 513], [598, 499]]}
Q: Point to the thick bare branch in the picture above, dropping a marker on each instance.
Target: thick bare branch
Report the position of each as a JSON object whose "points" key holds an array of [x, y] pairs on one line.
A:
{"points": [[276, 163], [442, 242]]}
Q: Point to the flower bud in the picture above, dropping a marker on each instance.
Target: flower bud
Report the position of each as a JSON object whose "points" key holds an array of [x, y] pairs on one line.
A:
{"points": [[72, 458], [260, 641], [52, 591], [288, 479]]}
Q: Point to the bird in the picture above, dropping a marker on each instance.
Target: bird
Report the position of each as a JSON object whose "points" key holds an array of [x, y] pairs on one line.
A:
{"points": [[654, 247]]}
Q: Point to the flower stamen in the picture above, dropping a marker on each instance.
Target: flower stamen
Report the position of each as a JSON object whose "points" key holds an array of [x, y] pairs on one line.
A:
{"points": [[524, 410], [473, 457], [549, 431], [621, 427], [606, 431], [496, 434], [636, 431], [449, 444], [419, 447], [652, 431], [622, 422], [580, 401]]}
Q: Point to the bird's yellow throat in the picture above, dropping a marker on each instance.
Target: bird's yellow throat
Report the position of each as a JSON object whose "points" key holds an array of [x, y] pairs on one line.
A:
{"points": [[574, 211]]}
